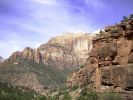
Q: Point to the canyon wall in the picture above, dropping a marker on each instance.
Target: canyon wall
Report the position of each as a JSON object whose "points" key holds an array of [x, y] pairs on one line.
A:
{"points": [[65, 51], [110, 62]]}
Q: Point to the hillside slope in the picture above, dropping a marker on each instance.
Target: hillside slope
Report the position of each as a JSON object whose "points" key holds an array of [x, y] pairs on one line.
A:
{"points": [[8, 92], [29, 74]]}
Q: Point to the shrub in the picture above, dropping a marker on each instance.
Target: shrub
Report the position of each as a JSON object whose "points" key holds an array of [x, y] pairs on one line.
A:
{"points": [[64, 94], [88, 94], [41, 97], [9, 92], [81, 98], [62, 88], [60, 93], [125, 18], [75, 87], [55, 97], [67, 96], [82, 66], [110, 96]]}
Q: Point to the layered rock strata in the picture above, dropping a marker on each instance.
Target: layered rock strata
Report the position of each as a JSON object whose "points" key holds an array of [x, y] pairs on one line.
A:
{"points": [[110, 60], [64, 51]]}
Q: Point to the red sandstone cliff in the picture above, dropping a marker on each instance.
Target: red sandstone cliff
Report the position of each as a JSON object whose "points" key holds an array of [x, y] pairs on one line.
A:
{"points": [[110, 62]]}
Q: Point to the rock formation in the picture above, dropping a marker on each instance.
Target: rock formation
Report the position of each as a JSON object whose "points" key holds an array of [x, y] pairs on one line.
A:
{"points": [[112, 58], [67, 50], [27, 53], [110, 61]]}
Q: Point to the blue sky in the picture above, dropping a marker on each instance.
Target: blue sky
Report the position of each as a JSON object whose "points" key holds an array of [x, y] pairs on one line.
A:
{"points": [[32, 22]]}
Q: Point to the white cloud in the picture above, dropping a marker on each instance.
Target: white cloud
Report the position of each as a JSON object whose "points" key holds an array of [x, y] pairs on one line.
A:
{"points": [[46, 2]]}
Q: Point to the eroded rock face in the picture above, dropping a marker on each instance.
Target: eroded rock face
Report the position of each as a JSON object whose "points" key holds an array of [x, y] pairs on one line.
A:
{"points": [[68, 50], [15, 55], [111, 58], [32, 54], [27, 53], [79, 78], [118, 76]]}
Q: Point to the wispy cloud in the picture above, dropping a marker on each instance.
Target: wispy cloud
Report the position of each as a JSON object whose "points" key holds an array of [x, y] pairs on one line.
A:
{"points": [[96, 4], [31, 22], [45, 2], [15, 43]]}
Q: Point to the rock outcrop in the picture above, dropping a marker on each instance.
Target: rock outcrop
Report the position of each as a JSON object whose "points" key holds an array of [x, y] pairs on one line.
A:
{"points": [[27, 53], [110, 60], [66, 51], [111, 57], [79, 78]]}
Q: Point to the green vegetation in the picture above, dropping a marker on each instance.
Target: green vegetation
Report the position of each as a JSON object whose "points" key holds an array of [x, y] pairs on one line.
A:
{"points": [[41, 97], [55, 97], [67, 96], [74, 87], [62, 88], [110, 96], [47, 75], [87, 94], [125, 18], [8, 92], [82, 66], [64, 94]]}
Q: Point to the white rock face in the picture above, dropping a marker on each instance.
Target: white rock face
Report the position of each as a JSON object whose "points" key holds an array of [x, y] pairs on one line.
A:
{"points": [[81, 47], [67, 50]]}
